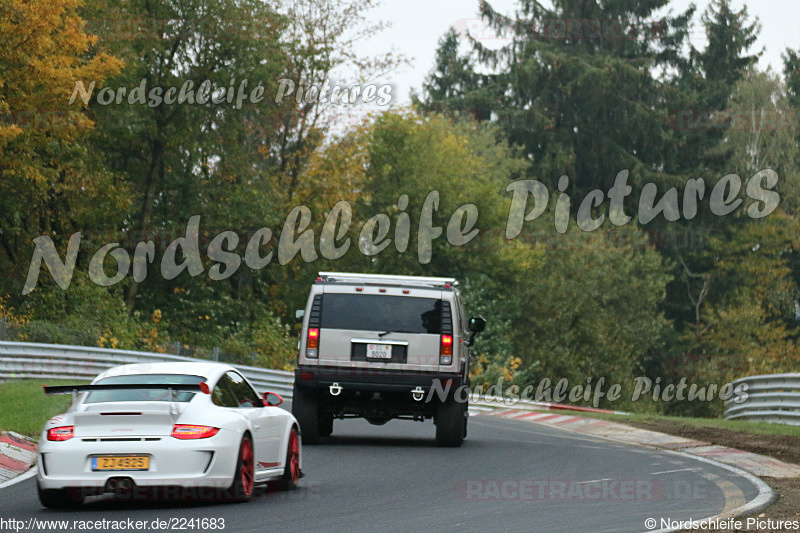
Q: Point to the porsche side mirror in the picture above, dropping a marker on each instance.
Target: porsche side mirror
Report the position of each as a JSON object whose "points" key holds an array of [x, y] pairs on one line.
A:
{"points": [[272, 399]]}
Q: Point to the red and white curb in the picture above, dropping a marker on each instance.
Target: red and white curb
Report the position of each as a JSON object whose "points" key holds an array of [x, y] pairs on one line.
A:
{"points": [[17, 455]]}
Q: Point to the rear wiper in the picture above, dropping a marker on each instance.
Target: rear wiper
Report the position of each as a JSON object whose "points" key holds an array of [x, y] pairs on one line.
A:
{"points": [[393, 331]]}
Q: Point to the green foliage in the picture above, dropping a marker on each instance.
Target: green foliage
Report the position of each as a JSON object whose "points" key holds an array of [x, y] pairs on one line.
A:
{"points": [[83, 315], [577, 305], [747, 317], [276, 346], [585, 105], [463, 163], [49, 182], [590, 311], [723, 62], [589, 106]]}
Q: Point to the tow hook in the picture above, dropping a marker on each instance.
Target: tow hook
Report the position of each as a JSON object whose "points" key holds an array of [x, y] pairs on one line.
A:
{"points": [[418, 394], [335, 389]]}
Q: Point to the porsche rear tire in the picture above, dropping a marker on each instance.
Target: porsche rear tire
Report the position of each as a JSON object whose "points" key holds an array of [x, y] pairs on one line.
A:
{"points": [[291, 472], [244, 476]]}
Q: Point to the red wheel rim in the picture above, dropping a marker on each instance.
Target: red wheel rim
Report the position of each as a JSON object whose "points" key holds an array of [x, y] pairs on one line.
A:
{"points": [[294, 457], [246, 459]]}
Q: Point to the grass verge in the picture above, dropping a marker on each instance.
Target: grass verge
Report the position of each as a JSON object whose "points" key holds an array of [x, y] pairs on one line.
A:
{"points": [[24, 408], [740, 426], [774, 440]]}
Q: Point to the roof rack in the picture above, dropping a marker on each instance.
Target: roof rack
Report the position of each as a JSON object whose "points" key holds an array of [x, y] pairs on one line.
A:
{"points": [[386, 279]]}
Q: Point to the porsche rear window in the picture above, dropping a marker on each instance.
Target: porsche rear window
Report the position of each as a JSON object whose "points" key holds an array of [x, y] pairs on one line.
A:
{"points": [[152, 395]]}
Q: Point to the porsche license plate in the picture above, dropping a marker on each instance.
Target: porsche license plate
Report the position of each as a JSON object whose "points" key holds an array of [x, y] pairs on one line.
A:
{"points": [[379, 351], [121, 462]]}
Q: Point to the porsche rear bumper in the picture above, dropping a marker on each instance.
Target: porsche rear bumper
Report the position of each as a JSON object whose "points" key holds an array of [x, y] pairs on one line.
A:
{"points": [[209, 462]]}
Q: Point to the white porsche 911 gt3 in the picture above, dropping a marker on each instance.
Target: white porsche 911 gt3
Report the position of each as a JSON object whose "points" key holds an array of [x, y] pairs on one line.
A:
{"points": [[167, 430]]}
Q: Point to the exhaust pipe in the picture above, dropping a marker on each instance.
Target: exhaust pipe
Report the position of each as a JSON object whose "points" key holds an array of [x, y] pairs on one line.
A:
{"points": [[119, 486]]}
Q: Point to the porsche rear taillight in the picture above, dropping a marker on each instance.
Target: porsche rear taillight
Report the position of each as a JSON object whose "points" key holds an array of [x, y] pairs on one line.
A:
{"points": [[190, 431], [61, 433], [312, 342], [446, 350]]}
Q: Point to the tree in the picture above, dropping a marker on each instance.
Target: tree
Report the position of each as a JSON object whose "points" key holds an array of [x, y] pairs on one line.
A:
{"points": [[748, 318], [791, 72], [591, 309], [762, 132], [730, 34], [454, 87], [575, 87], [49, 181], [460, 163], [187, 155], [701, 90], [320, 41], [710, 100]]}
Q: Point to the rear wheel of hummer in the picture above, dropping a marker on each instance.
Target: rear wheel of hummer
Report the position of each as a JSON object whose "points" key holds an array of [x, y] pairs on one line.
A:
{"points": [[451, 420], [306, 410]]}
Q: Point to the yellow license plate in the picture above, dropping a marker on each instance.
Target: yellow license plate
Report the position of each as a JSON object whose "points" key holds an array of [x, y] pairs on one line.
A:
{"points": [[121, 462]]}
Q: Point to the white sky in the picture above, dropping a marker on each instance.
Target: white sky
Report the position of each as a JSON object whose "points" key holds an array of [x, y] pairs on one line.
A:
{"points": [[417, 26]]}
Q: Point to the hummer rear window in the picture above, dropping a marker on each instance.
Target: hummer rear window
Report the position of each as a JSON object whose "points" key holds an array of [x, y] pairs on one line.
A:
{"points": [[372, 312]]}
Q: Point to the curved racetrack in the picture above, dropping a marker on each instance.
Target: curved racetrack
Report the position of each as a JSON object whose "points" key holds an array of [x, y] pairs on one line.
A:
{"points": [[508, 476]]}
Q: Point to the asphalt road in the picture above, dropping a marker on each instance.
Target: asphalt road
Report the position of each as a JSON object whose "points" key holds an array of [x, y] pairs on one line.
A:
{"points": [[507, 476]]}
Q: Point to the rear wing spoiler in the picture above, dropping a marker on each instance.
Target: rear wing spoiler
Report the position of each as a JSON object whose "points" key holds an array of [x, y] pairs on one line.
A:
{"points": [[73, 389]]}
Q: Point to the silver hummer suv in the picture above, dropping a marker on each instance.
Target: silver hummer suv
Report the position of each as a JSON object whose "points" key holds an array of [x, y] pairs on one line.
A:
{"points": [[374, 346]]}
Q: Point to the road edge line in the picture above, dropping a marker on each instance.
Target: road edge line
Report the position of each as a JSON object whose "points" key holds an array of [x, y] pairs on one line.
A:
{"points": [[766, 496]]}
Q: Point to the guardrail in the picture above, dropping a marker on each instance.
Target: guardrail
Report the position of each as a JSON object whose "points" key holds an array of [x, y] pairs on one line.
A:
{"points": [[770, 398], [23, 360]]}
